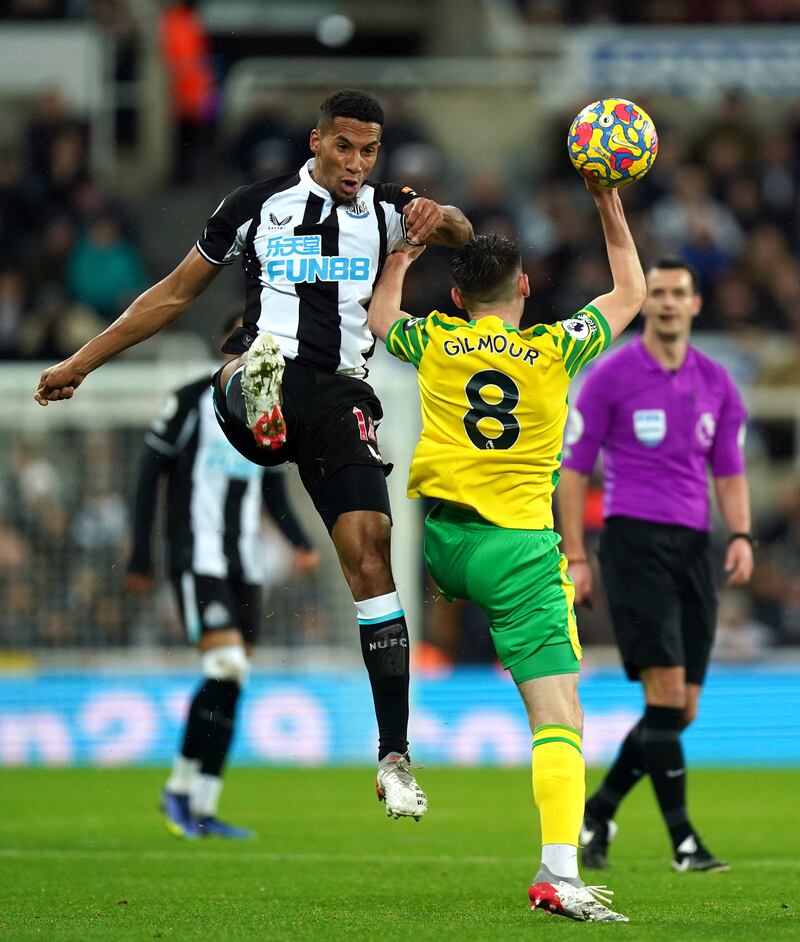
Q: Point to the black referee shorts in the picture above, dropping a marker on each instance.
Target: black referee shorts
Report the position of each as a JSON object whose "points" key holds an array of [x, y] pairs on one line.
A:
{"points": [[331, 435], [661, 595]]}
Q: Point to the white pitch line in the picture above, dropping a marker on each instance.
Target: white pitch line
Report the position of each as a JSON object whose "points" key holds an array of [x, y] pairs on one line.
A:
{"points": [[274, 857], [271, 856]]}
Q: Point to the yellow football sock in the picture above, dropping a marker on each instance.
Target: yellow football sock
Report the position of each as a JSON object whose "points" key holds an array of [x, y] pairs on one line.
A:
{"points": [[559, 784]]}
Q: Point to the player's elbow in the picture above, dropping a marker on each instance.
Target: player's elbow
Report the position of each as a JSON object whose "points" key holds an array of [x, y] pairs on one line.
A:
{"points": [[639, 291], [456, 235], [571, 487], [625, 303], [374, 326], [631, 293], [573, 476], [378, 321]]}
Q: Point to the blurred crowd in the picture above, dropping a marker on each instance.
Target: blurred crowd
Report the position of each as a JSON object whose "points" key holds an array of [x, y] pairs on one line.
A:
{"points": [[726, 199], [70, 259], [65, 530], [724, 194]]}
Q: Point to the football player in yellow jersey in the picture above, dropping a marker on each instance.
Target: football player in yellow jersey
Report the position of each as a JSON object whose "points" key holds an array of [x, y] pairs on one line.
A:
{"points": [[494, 406]]}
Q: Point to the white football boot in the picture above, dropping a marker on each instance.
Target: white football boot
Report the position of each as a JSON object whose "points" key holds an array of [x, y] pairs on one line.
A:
{"points": [[559, 896], [261, 391], [396, 785]]}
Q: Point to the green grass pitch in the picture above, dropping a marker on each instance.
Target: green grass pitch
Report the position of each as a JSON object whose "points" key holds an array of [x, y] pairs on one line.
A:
{"points": [[84, 856]]}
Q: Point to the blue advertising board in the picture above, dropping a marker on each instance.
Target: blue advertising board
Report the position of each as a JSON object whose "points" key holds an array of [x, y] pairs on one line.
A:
{"points": [[463, 716]]}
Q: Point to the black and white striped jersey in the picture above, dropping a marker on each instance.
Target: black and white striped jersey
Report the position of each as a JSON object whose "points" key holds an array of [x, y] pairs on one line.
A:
{"points": [[215, 496], [310, 262]]}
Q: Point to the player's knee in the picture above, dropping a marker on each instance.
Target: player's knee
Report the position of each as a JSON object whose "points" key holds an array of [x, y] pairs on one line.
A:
{"points": [[666, 690], [373, 563], [673, 698], [229, 662], [368, 564]]}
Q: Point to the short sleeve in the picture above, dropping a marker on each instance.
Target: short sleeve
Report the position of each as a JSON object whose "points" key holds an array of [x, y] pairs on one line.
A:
{"points": [[588, 423], [173, 426], [394, 198], [581, 338], [408, 338], [223, 238], [727, 452]]}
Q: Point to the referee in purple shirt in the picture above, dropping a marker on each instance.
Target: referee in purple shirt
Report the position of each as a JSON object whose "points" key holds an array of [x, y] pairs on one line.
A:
{"points": [[661, 413]]}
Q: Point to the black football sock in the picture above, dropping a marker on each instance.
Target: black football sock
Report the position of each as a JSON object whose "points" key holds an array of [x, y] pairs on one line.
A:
{"points": [[384, 645], [664, 760], [209, 729], [628, 768]]}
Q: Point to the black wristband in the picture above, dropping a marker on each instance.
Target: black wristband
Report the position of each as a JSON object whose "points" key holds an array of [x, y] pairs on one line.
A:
{"points": [[743, 536]]}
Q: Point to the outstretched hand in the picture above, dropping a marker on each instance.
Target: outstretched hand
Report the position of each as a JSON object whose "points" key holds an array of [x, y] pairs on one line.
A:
{"points": [[58, 382], [739, 563], [305, 560], [601, 194]]}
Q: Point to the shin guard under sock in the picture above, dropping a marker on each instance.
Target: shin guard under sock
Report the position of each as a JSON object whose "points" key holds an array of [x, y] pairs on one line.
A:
{"points": [[559, 788], [209, 729], [664, 760], [384, 645]]}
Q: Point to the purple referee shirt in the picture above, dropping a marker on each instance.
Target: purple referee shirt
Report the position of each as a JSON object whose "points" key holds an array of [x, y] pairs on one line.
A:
{"points": [[658, 430]]}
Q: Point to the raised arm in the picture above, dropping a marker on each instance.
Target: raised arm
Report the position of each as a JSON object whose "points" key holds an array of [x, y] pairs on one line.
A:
{"points": [[429, 223], [384, 308], [149, 313], [624, 301]]}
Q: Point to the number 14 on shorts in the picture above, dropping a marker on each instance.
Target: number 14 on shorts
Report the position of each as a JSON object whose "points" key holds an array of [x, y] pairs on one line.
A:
{"points": [[366, 431]]}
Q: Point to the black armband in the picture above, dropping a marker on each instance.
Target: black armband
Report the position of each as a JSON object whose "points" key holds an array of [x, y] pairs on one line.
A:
{"points": [[743, 536]]}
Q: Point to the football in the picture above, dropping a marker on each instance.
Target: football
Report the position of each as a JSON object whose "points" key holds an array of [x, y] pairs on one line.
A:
{"points": [[612, 142]]}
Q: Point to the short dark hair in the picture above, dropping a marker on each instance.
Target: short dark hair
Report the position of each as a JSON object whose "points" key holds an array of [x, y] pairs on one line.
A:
{"points": [[483, 268], [351, 103], [675, 262]]}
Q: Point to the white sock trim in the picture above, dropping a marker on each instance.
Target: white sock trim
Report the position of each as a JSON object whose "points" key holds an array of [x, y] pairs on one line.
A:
{"points": [[382, 606], [204, 796], [183, 774], [561, 859]]}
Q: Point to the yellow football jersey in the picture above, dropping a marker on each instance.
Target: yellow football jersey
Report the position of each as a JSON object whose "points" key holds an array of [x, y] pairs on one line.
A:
{"points": [[494, 405]]}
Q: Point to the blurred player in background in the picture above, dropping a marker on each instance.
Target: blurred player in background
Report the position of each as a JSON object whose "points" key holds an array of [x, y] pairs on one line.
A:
{"points": [[213, 527], [662, 414], [494, 405], [312, 244]]}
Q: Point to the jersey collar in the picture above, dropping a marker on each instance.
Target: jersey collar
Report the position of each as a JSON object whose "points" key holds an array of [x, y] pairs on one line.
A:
{"points": [[310, 184], [653, 366]]}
